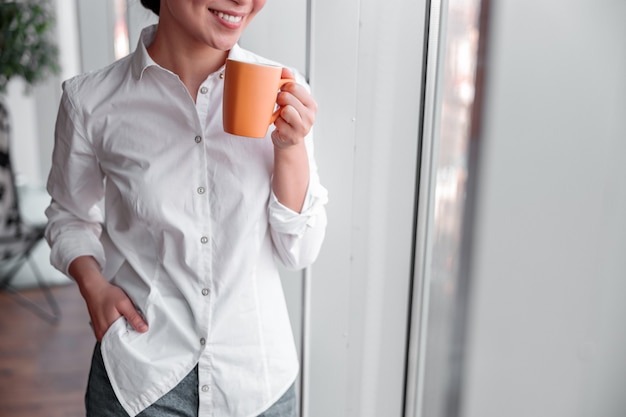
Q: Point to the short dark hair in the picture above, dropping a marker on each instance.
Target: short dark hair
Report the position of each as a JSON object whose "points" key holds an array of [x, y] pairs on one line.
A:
{"points": [[153, 5]]}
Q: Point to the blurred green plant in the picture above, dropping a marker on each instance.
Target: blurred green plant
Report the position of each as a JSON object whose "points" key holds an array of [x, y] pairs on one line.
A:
{"points": [[26, 48]]}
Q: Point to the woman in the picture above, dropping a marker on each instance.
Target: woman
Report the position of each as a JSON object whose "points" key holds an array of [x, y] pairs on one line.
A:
{"points": [[179, 275]]}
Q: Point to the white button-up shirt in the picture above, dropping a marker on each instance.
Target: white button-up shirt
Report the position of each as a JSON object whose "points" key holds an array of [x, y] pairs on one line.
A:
{"points": [[190, 231]]}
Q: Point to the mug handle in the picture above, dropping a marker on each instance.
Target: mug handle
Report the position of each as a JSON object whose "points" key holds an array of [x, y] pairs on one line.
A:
{"points": [[282, 82]]}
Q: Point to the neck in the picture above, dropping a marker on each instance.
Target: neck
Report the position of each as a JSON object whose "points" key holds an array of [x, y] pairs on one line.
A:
{"points": [[191, 61]]}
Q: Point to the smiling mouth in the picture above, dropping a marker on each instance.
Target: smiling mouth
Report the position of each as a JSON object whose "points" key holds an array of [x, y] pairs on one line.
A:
{"points": [[226, 17]]}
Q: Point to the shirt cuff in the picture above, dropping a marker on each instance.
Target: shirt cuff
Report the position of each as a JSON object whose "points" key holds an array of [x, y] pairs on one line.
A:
{"points": [[285, 220], [65, 252]]}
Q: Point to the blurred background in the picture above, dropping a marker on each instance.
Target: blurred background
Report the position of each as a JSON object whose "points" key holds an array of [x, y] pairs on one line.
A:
{"points": [[475, 261]]}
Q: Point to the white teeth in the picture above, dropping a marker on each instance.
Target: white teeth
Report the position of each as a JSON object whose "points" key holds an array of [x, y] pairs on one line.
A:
{"points": [[228, 18]]}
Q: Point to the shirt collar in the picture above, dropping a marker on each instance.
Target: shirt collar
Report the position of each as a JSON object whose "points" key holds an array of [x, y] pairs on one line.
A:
{"points": [[142, 60], [237, 53]]}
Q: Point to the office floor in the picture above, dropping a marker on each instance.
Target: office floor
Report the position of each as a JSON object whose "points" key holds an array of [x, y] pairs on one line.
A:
{"points": [[44, 367]]}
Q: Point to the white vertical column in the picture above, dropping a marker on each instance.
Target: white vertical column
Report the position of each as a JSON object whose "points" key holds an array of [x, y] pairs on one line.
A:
{"points": [[48, 94], [67, 32], [333, 78], [95, 33], [33, 114], [366, 72]]}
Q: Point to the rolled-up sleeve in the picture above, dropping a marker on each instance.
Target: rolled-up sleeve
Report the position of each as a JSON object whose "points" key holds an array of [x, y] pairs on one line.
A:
{"points": [[297, 236], [76, 185]]}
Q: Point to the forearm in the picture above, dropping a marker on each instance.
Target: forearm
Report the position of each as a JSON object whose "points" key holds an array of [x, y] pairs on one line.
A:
{"points": [[85, 270], [291, 175]]}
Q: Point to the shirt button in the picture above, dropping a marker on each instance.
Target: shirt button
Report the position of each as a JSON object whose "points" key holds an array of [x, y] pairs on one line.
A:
{"points": [[204, 239], [205, 388], [221, 75], [204, 90], [201, 190], [203, 341], [198, 139], [205, 291]]}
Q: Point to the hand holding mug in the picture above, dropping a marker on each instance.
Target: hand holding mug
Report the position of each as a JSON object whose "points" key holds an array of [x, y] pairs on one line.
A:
{"points": [[251, 93], [297, 110]]}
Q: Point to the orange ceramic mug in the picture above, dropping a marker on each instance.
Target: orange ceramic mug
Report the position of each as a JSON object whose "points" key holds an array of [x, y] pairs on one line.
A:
{"points": [[250, 92]]}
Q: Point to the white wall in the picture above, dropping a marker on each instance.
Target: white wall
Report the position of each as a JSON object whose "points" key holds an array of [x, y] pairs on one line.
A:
{"points": [[138, 18], [276, 37], [547, 321]]}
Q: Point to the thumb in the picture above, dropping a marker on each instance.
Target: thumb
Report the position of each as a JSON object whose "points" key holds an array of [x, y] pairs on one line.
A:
{"points": [[133, 317]]}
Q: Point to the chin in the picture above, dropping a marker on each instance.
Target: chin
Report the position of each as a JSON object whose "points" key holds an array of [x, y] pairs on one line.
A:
{"points": [[226, 46], [224, 41], [223, 46]]}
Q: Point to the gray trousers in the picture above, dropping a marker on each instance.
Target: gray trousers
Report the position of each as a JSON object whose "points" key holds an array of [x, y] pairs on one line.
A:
{"points": [[181, 401]]}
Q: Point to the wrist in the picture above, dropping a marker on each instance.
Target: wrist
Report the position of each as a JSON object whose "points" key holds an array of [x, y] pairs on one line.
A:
{"points": [[290, 151], [85, 270]]}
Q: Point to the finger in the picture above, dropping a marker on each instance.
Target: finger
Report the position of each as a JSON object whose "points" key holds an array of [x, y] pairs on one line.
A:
{"points": [[295, 114], [301, 93], [286, 135], [289, 115], [282, 141], [277, 140], [100, 321], [307, 111], [300, 123], [287, 99], [100, 328], [131, 315], [286, 74], [290, 125]]}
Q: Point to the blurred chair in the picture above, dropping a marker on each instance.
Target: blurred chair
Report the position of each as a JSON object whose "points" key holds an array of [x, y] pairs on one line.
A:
{"points": [[18, 239]]}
